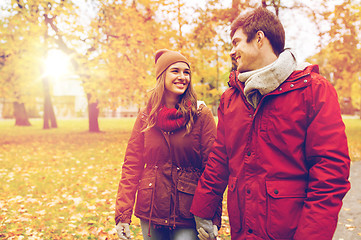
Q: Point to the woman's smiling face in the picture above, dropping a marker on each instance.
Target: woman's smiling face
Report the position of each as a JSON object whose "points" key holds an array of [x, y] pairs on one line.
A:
{"points": [[177, 79]]}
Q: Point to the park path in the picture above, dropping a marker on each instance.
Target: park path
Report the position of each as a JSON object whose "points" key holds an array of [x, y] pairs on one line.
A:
{"points": [[349, 222]]}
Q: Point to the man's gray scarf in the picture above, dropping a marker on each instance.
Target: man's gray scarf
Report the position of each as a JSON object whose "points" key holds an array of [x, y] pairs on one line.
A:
{"points": [[264, 80]]}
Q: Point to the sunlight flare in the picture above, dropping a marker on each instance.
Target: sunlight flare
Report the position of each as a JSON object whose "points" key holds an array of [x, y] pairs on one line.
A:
{"points": [[57, 63]]}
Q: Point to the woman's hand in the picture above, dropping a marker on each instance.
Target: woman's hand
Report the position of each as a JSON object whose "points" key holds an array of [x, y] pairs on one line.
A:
{"points": [[123, 231]]}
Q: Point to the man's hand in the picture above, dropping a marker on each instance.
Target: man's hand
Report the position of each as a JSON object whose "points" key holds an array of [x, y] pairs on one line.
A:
{"points": [[206, 229], [123, 231]]}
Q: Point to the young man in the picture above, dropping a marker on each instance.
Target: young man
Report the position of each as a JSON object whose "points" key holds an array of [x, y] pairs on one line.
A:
{"points": [[281, 146]]}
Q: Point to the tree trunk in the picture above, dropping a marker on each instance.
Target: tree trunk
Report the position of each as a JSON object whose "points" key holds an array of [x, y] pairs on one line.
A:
{"points": [[276, 4], [234, 11], [93, 114], [20, 114], [264, 3], [49, 115]]}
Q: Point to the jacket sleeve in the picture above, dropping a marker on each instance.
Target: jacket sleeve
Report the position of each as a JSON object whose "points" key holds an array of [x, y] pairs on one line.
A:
{"points": [[209, 132], [131, 172], [208, 136], [212, 183], [328, 162]]}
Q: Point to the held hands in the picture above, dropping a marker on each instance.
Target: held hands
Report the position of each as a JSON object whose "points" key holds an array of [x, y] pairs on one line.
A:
{"points": [[206, 229], [123, 231]]}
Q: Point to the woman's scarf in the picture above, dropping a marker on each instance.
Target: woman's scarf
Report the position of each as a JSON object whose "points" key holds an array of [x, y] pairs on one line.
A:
{"points": [[169, 120], [264, 80]]}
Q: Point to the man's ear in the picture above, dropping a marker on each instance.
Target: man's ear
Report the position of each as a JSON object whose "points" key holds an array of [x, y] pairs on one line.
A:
{"points": [[260, 36]]}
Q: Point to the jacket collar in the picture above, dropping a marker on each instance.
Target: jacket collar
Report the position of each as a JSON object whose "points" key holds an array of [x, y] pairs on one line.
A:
{"points": [[294, 81]]}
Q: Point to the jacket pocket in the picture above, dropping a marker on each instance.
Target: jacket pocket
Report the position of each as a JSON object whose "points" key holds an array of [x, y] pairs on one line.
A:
{"points": [[285, 200], [144, 196], [233, 201], [186, 191]]}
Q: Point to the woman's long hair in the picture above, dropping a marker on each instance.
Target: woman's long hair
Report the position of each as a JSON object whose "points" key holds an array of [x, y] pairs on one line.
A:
{"points": [[187, 106]]}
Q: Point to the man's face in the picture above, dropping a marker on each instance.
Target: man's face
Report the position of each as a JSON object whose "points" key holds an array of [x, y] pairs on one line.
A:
{"points": [[246, 54]]}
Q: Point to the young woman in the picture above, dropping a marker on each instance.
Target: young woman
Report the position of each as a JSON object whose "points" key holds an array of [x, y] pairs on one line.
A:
{"points": [[165, 156]]}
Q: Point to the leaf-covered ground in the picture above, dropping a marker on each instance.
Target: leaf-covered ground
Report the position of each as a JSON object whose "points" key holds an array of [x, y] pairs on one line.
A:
{"points": [[61, 183]]}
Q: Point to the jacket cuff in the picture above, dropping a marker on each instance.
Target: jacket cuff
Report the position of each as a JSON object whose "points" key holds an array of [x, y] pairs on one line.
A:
{"points": [[205, 206], [217, 219], [124, 217]]}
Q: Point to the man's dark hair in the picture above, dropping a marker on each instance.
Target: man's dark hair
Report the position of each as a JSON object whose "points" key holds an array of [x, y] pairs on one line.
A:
{"points": [[261, 19]]}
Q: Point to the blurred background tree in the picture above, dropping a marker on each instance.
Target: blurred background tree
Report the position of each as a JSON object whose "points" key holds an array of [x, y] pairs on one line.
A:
{"points": [[340, 60], [29, 30], [110, 45]]}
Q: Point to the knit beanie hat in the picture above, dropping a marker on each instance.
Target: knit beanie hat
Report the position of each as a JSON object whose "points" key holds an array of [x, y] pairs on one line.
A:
{"points": [[164, 58]]}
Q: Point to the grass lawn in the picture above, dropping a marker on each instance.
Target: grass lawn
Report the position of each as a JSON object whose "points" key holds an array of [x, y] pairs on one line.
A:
{"points": [[61, 183], [353, 132]]}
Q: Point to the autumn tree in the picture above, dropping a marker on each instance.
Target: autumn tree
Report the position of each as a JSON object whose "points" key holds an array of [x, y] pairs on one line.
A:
{"points": [[339, 59], [64, 32], [75, 41], [20, 49], [121, 67], [30, 29], [345, 59], [210, 64]]}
